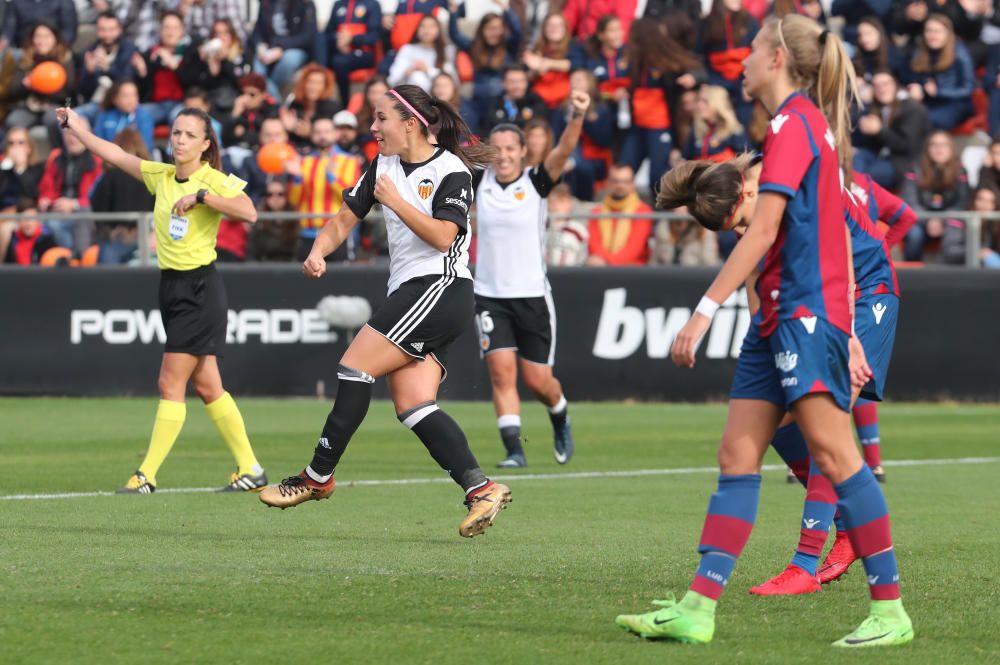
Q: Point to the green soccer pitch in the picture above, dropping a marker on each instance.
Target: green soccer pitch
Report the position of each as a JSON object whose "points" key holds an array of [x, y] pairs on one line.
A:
{"points": [[378, 574]]}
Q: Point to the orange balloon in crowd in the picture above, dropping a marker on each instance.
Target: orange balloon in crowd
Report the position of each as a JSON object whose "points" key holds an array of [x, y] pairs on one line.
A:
{"points": [[272, 157], [48, 78]]}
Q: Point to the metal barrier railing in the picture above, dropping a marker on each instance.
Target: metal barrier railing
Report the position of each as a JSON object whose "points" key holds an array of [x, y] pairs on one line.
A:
{"points": [[144, 222]]}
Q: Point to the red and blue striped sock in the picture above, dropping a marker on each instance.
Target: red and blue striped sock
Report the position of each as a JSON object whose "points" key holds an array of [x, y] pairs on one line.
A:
{"points": [[866, 517], [731, 514], [817, 514], [866, 420], [791, 447]]}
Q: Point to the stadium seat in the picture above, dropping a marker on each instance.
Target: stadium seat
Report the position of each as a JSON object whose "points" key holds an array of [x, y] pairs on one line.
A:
{"points": [[463, 65], [978, 121]]}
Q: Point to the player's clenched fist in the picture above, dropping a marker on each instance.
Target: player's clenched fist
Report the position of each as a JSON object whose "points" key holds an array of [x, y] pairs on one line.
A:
{"points": [[314, 266], [385, 191]]}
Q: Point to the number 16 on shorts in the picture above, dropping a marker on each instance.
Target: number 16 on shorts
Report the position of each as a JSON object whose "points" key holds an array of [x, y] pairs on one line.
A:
{"points": [[484, 324]]}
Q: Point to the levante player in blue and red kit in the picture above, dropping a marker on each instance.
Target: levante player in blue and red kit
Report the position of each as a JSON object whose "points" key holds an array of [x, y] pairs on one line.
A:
{"points": [[800, 354]]}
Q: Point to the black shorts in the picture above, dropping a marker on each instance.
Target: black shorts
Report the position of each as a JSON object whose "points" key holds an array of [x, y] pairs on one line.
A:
{"points": [[194, 312], [426, 314], [525, 325]]}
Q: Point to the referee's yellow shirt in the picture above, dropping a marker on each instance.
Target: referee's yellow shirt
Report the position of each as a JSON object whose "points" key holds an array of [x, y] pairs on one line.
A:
{"points": [[188, 242]]}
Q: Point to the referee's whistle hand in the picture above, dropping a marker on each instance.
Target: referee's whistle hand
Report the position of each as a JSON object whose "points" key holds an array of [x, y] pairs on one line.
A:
{"points": [[314, 266]]}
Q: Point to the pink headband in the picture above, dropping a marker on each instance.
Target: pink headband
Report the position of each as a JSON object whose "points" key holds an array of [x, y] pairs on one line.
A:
{"points": [[409, 108]]}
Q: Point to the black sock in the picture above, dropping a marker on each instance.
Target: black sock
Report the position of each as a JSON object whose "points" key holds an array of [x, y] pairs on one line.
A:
{"points": [[446, 443], [559, 413], [510, 434], [354, 394]]}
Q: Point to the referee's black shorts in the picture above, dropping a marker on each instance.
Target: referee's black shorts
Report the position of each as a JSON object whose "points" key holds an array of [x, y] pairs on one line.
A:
{"points": [[194, 312], [425, 315]]}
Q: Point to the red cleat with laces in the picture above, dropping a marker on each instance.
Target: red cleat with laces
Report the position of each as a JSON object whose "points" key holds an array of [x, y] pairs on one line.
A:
{"points": [[792, 582], [839, 559]]}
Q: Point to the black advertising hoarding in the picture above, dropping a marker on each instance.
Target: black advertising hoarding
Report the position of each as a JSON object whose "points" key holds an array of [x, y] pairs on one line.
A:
{"points": [[97, 332]]}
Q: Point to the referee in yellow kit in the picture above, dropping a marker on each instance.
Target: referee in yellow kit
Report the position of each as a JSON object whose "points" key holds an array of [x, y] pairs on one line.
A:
{"points": [[192, 195]]}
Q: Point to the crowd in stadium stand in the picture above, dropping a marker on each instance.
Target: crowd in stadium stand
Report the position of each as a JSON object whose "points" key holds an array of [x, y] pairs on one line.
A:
{"points": [[664, 76]]}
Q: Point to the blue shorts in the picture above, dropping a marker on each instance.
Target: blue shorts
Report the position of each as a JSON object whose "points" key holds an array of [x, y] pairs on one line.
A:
{"points": [[875, 320], [792, 363]]}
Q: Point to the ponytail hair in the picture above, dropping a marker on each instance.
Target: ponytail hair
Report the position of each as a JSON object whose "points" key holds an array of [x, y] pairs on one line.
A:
{"points": [[818, 63], [212, 154], [708, 189], [443, 122]]}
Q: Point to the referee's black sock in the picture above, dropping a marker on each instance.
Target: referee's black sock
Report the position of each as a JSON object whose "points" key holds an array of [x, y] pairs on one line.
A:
{"points": [[510, 433], [354, 394], [446, 443], [559, 412]]}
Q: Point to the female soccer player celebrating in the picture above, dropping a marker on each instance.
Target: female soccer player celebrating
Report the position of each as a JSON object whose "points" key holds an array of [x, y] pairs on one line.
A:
{"points": [[192, 195], [514, 311], [796, 355], [425, 190]]}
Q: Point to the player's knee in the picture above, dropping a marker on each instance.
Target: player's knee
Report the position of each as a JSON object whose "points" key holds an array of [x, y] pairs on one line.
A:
{"points": [[736, 459]]}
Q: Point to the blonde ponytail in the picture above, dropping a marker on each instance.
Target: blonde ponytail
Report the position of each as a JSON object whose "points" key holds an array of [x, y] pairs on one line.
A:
{"points": [[817, 61]]}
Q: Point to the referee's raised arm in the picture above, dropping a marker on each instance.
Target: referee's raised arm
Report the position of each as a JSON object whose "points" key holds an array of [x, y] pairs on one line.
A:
{"points": [[106, 150]]}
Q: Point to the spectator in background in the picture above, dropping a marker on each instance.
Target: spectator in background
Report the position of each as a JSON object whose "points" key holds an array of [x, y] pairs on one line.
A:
{"points": [[69, 176], [990, 252], [271, 131], [875, 53], [518, 104], [809, 8], [200, 17], [592, 157], [659, 68], [418, 62], [401, 24], [496, 44], [683, 242], [269, 239], [953, 239], [614, 241], [605, 59], [965, 16], [20, 170], [312, 98], [348, 42], [375, 88], [889, 134], [31, 240], [144, 31], [318, 183], [28, 108], [857, 12], [566, 239], [717, 134], [584, 15], [121, 110], [216, 67], [156, 71], [991, 85], [989, 174], [551, 59], [117, 191], [938, 184], [345, 127], [21, 15], [724, 38], [940, 74], [241, 130], [284, 35], [107, 61], [445, 86], [538, 139]]}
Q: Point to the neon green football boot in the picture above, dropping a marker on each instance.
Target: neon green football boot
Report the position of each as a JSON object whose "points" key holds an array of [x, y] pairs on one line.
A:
{"points": [[691, 621], [888, 625]]}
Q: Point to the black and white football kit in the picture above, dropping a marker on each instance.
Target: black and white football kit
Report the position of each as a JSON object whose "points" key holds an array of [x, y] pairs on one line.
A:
{"points": [[514, 309], [430, 292]]}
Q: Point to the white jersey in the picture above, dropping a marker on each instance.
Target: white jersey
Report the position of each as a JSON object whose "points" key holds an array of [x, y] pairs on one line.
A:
{"points": [[440, 187], [510, 228]]}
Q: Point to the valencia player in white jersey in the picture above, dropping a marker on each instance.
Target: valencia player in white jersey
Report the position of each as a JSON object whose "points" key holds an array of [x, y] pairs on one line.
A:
{"points": [[425, 190], [514, 312]]}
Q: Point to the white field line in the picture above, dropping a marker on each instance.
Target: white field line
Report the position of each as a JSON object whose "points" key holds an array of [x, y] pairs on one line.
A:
{"points": [[631, 473]]}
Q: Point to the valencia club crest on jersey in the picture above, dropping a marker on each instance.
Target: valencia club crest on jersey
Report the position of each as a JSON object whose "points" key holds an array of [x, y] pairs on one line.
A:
{"points": [[424, 188], [519, 193]]}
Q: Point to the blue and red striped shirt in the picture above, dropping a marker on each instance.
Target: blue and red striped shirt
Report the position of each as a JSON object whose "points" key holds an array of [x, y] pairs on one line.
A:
{"points": [[805, 273], [874, 273]]}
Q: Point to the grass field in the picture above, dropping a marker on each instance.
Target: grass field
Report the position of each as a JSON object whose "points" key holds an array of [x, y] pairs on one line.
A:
{"points": [[378, 574]]}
